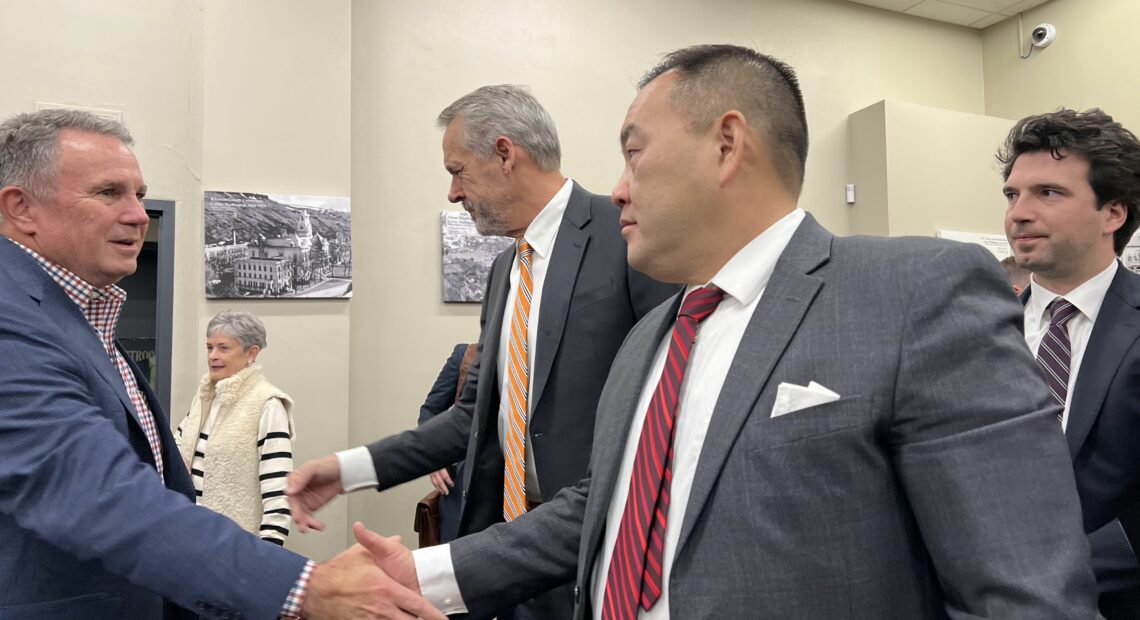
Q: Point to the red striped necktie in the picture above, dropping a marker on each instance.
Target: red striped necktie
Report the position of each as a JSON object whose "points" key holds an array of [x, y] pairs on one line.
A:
{"points": [[635, 571]]}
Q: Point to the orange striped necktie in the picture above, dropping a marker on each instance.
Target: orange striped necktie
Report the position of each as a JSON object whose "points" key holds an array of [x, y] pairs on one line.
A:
{"points": [[518, 383]]}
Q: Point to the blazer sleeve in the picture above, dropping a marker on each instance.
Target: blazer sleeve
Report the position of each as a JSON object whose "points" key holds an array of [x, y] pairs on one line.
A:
{"points": [[69, 476], [441, 441], [979, 451], [645, 293], [510, 563]]}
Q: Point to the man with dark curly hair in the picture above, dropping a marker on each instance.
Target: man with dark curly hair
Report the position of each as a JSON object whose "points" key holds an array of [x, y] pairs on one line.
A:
{"points": [[1072, 181]]}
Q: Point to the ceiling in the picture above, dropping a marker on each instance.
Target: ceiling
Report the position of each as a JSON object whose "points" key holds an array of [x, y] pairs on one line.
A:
{"points": [[973, 13]]}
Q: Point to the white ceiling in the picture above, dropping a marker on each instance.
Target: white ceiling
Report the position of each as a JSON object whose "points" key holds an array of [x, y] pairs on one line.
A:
{"points": [[973, 13]]}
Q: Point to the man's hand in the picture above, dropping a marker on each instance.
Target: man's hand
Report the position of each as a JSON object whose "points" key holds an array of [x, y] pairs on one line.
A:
{"points": [[310, 488], [391, 555], [441, 480], [351, 586]]}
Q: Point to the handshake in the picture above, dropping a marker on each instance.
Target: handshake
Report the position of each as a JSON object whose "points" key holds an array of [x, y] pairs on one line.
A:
{"points": [[376, 578]]}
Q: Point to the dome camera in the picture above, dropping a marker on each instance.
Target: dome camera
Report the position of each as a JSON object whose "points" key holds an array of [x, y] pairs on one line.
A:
{"points": [[1043, 35]]}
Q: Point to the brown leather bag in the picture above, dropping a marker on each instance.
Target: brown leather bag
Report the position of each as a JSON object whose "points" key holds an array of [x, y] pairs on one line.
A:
{"points": [[427, 519]]}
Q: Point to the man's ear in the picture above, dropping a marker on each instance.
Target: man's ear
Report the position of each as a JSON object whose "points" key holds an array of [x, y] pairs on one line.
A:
{"points": [[505, 153], [732, 132], [15, 207], [1115, 214]]}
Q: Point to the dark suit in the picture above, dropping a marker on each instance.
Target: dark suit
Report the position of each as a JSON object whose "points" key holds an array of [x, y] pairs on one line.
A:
{"points": [[590, 300], [439, 399], [87, 530], [936, 487], [1104, 431]]}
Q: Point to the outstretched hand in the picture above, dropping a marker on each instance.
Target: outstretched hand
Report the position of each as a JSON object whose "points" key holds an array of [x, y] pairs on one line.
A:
{"points": [[352, 586], [309, 488], [390, 555]]}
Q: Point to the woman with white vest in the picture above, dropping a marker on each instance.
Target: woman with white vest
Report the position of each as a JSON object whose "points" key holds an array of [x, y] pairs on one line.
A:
{"points": [[237, 439]]}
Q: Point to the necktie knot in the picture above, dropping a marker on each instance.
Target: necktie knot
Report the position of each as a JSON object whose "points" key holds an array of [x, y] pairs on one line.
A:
{"points": [[525, 249], [701, 303], [1061, 310]]}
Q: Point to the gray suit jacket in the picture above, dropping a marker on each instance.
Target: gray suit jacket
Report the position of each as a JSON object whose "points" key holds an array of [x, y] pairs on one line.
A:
{"points": [[937, 486]]}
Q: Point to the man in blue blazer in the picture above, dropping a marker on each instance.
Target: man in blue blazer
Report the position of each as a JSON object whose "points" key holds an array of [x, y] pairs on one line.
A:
{"points": [[1072, 181], [97, 518], [502, 152]]}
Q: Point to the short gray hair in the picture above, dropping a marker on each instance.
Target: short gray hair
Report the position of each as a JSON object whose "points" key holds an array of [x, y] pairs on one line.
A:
{"points": [[29, 146], [244, 327], [505, 110]]}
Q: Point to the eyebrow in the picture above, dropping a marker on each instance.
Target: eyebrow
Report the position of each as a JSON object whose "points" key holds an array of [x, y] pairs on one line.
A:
{"points": [[1036, 187], [626, 132]]}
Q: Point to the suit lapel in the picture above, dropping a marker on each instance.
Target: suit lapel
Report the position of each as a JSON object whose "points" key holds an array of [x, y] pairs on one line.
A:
{"points": [[617, 408], [778, 315], [561, 274], [486, 398], [1117, 328], [63, 312]]}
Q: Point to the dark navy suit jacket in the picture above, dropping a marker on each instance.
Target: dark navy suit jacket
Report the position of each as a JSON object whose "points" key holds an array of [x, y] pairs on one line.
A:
{"points": [[87, 528], [439, 399], [1104, 429]]}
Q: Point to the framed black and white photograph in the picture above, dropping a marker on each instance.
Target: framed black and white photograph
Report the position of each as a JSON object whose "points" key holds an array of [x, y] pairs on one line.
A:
{"points": [[277, 246], [467, 257], [1131, 254]]}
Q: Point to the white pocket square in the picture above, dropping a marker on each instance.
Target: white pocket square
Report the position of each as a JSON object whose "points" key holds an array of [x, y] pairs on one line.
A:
{"points": [[791, 397]]}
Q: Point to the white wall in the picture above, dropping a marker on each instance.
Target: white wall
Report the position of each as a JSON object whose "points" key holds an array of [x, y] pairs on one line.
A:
{"points": [[276, 120], [1092, 63]]}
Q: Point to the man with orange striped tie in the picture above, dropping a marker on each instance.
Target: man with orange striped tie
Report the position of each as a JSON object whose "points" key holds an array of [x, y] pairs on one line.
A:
{"points": [[558, 305]]}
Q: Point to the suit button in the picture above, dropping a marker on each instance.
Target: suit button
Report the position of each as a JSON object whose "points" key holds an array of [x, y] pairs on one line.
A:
{"points": [[577, 595]]}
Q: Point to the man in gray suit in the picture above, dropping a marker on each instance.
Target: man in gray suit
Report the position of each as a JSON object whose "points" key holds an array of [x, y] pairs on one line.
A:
{"points": [[847, 437], [558, 306]]}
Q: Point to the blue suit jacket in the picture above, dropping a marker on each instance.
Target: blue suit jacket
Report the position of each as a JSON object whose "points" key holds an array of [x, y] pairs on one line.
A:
{"points": [[440, 399], [1104, 429], [87, 528]]}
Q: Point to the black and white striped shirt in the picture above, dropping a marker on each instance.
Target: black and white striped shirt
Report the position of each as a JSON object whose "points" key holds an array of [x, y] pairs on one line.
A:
{"points": [[275, 446]]}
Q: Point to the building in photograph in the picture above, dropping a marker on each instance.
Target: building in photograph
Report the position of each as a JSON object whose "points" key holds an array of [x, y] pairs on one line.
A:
{"points": [[263, 275]]}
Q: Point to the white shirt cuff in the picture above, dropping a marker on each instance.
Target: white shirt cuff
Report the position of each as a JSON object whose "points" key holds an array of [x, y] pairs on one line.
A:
{"points": [[437, 579], [356, 469]]}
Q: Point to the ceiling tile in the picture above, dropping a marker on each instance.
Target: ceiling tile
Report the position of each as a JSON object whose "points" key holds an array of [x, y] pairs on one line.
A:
{"points": [[986, 22], [1023, 5], [890, 5], [990, 6], [946, 12]]}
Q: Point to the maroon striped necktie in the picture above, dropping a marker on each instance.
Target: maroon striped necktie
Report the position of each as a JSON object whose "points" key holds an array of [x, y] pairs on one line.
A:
{"points": [[635, 571], [1055, 352]]}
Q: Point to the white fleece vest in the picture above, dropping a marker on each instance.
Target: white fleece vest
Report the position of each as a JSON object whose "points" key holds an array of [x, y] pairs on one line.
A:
{"points": [[230, 484]]}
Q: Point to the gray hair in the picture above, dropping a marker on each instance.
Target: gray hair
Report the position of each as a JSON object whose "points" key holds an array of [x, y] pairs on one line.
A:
{"points": [[29, 146], [244, 327], [505, 110]]}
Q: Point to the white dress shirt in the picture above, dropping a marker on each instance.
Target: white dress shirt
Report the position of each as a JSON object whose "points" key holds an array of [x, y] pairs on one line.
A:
{"points": [[743, 280], [1087, 298]]}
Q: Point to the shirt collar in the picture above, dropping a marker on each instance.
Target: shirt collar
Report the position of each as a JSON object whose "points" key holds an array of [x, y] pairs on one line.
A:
{"points": [[746, 274], [544, 228], [83, 293], [1087, 297]]}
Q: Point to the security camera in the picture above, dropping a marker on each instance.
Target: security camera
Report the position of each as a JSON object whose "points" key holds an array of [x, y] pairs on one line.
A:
{"points": [[1043, 35]]}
